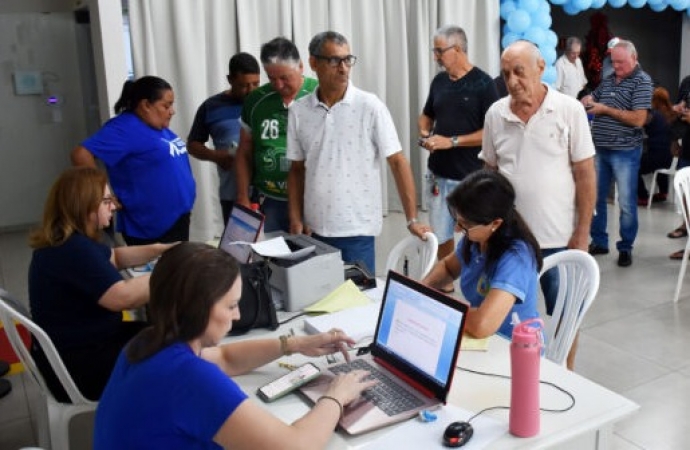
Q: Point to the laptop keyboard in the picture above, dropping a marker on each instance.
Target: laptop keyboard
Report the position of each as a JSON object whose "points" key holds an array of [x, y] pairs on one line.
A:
{"points": [[387, 395]]}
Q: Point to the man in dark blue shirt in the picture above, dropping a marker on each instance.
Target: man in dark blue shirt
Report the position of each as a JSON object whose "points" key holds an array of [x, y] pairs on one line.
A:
{"points": [[620, 105]]}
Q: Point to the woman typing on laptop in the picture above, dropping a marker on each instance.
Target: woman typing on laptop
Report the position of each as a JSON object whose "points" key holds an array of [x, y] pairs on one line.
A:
{"points": [[172, 385], [497, 260]]}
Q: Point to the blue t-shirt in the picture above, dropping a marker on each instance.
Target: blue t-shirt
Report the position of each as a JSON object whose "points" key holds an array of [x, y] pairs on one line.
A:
{"points": [[219, 118], [515, 272], [149, 171], [65, 284], [171, 400]]}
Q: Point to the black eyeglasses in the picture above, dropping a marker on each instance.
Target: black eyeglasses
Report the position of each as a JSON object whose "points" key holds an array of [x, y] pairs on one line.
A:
{"points": [[439, 51], [335, 61]]}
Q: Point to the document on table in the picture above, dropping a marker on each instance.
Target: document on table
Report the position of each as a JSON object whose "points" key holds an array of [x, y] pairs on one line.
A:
{"points": [[428, 435], [347, 295], [359, 322]]}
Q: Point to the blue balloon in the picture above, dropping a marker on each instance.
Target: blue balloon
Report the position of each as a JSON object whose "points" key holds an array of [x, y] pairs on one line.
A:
{"points": [[509, 38], [549, 54], [519, 21], [571, 9], [596, 4], [637, 3], [529, 5], [679, 5], [559, 2], [507, 7], [581, 4], [617, 3], [544, 7], [551, 39], [535, 35], [658, 7], [655, 2], [542, 20], [549, 75]]}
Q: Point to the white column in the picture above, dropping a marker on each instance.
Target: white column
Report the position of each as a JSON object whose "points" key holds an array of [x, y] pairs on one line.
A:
{"points": [[107, 34]]}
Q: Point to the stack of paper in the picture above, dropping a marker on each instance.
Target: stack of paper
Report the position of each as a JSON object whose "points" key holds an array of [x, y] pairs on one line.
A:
{"points": [[359, 323], [347, 295]]}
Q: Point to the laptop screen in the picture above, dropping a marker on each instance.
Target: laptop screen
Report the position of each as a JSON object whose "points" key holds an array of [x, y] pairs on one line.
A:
{"points": [[243, 227], [421, 328]]}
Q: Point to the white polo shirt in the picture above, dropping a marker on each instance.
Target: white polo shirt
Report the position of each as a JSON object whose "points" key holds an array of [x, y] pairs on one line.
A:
{"points": [[570, 77], [343, 149], [537, 158]]}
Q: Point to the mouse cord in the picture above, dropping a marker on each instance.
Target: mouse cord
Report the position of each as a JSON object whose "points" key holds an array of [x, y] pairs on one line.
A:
{"points": [[506, 377], [291, 318]]}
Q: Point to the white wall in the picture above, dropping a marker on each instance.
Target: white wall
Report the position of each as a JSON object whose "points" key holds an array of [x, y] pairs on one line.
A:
{"points": [[34, 148]]}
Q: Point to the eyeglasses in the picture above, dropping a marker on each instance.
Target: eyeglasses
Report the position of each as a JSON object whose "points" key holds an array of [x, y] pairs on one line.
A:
{"points": [[439, 51], [334, 61], [111, 200], [467, 230]]}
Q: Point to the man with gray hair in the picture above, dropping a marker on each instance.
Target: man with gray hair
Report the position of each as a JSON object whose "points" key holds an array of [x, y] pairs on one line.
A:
{"points": [[540, 140], [450, 127], [620, 105], [570, 75], [337, 139], [260, 159]]}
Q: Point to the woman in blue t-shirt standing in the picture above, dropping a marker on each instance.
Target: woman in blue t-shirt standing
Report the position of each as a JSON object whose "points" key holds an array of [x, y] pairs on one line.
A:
{"points": [[147, 164], [498, 259]]}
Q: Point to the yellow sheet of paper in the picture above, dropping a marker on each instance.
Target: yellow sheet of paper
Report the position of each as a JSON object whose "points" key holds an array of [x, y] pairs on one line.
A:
{"points": [[344, 296], [474, 344]]}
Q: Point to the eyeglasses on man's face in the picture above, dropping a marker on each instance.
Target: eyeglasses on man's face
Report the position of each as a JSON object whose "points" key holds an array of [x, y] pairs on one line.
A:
{"points": [[336, 61], [439, 51]]}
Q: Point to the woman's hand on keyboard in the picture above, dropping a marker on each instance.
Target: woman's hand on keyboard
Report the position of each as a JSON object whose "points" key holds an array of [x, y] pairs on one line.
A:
{"points": [[348, 387]]}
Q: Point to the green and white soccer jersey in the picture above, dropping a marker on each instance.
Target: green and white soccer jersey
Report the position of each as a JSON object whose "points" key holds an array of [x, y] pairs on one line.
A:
{"points": [[266, 115]]}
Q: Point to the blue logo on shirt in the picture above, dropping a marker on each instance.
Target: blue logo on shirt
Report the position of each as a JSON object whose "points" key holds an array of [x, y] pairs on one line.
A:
{"points": [[177, 147]]}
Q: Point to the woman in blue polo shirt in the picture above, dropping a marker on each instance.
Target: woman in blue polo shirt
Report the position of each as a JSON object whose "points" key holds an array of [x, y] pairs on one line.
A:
{"points": [[147, 164], [498, 259]]}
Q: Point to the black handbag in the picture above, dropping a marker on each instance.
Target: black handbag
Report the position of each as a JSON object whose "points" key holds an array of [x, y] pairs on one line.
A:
{"points": [[256, 305]]}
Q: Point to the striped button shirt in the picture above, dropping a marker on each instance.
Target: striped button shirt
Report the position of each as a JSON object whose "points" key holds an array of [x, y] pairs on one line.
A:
{"points": [[631, 93]]}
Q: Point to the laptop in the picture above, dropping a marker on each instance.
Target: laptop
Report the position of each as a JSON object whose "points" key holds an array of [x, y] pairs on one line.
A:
{"points": [[242, 229], [416, 345]]}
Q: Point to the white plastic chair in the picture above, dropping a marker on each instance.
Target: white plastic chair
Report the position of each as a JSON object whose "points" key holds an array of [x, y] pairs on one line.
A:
{"points": [[578, 283], [670, 172], [55, 433], [413, 257], [681, 184]]}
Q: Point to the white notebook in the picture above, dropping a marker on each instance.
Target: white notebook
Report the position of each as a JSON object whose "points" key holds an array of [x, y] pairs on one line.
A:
{"points": [[359, 322]]}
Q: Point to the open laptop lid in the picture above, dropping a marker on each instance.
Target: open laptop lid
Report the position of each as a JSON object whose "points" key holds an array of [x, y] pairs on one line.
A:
{"points": [[244, 225], [418, 334]]}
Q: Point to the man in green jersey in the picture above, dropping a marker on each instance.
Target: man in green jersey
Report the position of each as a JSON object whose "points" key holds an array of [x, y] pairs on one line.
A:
{"points": [[260, 159]]}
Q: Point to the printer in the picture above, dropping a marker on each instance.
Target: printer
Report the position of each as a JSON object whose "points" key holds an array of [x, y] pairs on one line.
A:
{"points": [[302, 282]]}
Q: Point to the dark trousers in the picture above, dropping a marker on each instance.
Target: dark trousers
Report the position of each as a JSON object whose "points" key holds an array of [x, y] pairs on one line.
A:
{"points": [[89, 366], [179, 231]]}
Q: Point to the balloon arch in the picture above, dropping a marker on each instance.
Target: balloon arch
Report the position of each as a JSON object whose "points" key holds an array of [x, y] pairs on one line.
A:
{"points": [[531, 20]]}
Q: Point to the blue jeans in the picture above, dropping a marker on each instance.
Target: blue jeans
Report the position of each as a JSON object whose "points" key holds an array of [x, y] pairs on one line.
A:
{"points": [[354, 248], [549, 281], [621, 166], [439, 217], [276, 212]]}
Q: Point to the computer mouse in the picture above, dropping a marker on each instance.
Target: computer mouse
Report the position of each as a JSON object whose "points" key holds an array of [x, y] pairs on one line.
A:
{"points": [[457, 434]]}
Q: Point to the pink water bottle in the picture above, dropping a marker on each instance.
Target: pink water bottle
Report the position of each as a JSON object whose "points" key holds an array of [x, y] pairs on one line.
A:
{"points": [[525, 354]]}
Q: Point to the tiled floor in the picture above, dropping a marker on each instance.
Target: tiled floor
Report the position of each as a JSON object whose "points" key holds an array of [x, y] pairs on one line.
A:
{"points": [[634, 340]]}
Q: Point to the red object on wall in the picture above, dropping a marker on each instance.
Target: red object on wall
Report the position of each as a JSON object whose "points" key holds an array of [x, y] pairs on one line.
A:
{"points": [[595, 48]]}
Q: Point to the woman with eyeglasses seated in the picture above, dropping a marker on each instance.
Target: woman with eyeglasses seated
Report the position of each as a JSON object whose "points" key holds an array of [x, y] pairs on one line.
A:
{"points": [[76, 292], [172, 386], [497, 260]]}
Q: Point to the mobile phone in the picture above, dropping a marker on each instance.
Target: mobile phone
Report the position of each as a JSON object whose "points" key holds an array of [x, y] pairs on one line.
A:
{"points": [[288, 382]]}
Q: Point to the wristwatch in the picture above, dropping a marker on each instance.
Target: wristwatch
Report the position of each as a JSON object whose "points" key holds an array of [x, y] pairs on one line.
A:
{"points": [[454, 141]]}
